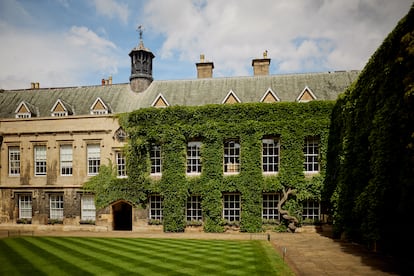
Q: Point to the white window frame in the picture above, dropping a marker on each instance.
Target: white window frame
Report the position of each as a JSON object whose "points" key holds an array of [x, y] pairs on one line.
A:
{"points": [[311, 154], [14, 160], [311, 209], [155, 207], [59, 114], [66, 160], [23, 115], [25, 206], [88, 209], [194, 158], [40, 160], [270, 155], [120, 160], [231, 157], [231, 207], [156, 159], [94, 158], [269, 207], [56, 206], [193, 210]]}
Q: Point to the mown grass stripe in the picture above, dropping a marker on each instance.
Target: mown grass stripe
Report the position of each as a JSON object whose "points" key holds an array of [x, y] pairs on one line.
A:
{"points": [[182, 261], [12, 263], [124, 259], [42, 262], [80, 262]]}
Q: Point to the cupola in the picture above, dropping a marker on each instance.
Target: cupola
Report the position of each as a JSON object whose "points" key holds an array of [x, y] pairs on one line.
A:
{"points": [[141, 66]]}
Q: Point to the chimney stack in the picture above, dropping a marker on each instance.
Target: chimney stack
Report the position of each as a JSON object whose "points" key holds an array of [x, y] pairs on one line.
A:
{"points": [[204, 68], [261, 66]]}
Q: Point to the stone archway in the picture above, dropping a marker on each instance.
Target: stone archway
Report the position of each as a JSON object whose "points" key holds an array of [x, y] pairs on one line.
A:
{"points": [[122, 216]]}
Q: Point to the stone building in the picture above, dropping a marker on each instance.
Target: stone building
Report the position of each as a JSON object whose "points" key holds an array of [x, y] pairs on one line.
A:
{"points": [[52, 140]]}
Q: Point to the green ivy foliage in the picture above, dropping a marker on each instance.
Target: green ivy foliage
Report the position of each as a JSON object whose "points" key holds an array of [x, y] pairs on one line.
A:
{"points": [[371, 154], [173, 127]]}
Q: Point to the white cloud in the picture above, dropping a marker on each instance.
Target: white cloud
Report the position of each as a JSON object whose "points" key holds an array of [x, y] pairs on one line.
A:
{"points": [[299, 35], [112, 9], [54, 58]]}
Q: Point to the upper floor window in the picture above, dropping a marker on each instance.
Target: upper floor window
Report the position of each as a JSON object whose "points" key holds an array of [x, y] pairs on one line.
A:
{"points": [[14, 161], [311, 154], [66, 157], [120, 164], [94, 158], [156, 161], [231, 156], [194, 157], [40, 159], [270, 155]]}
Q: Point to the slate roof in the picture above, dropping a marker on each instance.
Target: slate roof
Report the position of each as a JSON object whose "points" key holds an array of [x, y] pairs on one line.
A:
{"points": [[120, 98]]}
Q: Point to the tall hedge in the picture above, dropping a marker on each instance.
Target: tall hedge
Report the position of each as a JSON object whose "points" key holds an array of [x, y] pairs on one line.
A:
{"points": [[370, 172], [173, 127]]}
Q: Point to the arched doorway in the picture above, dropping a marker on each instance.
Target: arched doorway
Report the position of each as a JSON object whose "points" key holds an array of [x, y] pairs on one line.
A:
{"points": [[122, 216]]}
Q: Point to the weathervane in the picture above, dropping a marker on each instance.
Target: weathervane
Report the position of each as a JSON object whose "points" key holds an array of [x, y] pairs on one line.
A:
{"points": [[140, 30]]}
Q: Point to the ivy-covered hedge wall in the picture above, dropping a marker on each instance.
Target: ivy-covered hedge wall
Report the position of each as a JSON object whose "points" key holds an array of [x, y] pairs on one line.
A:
{"points": [[173, 127], [370, 173]]}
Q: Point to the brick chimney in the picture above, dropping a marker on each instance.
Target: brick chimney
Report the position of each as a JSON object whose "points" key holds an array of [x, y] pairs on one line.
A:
{"points": [[204, 68], [261, 66]]}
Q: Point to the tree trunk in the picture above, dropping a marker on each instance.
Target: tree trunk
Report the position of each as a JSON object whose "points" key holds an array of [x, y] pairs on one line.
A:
{"points": [[285, 213]]}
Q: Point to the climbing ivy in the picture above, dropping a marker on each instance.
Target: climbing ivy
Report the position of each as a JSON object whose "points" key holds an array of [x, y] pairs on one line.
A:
{"points": [[173, 127], [371, 148]]}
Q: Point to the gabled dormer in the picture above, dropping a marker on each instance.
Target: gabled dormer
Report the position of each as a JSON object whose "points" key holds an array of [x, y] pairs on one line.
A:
{"points": [[231, 98], [306, 96], [269, 97], [26, 110], [160, 101], [61, 109], [99, 107]]}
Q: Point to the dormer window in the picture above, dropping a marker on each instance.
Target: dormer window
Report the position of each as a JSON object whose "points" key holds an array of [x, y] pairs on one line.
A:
{"points": [[160, 101], [25, 110], [306, 96], [99, 107], [61, 109], [231, 98]]}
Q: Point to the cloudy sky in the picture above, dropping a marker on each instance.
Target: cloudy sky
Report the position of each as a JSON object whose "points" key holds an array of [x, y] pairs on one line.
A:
{"points": [[79, 42]]}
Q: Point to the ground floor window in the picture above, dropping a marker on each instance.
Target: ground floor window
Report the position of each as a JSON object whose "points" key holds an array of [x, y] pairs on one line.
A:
{"points": [[270, 210], [311, 210], [56, 207], [88, 210], [231, 208], [25, 206], [194, 208], [155, 210]]}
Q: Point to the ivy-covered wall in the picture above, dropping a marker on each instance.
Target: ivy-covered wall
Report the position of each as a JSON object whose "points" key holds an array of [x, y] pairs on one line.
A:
{"points": [[173, 127], [370, 173]]}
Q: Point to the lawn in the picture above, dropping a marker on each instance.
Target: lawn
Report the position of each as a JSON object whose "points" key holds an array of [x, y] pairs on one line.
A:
{"points": [[122, 256]]}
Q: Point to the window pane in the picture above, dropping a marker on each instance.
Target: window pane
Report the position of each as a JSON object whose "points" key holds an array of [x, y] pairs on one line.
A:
{"points": [[14, 160], [94, 158], [66, 159], [231, 156], [40, 160]]}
